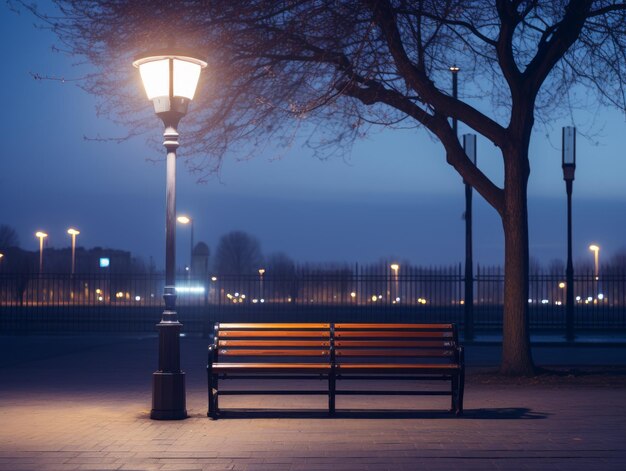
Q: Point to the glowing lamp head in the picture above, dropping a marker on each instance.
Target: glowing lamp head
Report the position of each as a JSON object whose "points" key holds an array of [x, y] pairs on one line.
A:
{"points": [[73, 232], [395, 266], [183, 219], [594, 248], [41, 234], [261, 271], [170, 80], [454, 69]]}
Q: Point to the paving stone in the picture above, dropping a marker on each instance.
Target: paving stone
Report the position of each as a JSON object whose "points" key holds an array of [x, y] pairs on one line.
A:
{"points": [[89, 409]]}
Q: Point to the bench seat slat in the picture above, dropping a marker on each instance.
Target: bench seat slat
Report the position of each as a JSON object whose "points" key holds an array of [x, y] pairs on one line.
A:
{"points": [[394, 326], [273, 352], [367, 352], [392, 334], [395, 343], [273, 326], [358, 368], [271, 367], [274, 333], [273, 343]]}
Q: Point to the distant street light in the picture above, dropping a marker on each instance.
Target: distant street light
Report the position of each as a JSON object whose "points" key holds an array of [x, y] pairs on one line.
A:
{"points": [[170, 79], [188, 220], [73, 232], [41, 236], [469, 146], [395, 267], [261, 273], [569, 167], [596, 256]]}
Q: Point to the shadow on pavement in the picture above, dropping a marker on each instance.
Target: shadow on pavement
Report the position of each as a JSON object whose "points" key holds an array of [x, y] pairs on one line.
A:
{"points": [[509, 413]]}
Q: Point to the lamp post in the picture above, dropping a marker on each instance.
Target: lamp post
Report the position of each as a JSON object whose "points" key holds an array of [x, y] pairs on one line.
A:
{"points": [[569, 168], [187, 220], [170, 79], [261, 273], [41, 236], [596, 256], [595, 248], [73, 232], [395, 267], [469, 145]]}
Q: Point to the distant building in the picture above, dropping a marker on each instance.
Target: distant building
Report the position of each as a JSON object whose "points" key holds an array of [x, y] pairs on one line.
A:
{"points": [[59, 261], [200, 260]]}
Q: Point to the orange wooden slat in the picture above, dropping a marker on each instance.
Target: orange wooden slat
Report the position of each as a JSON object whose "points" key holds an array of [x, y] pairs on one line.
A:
{"points": [[273, 352], [273, 343], [250, 325], [394, 326], [273, 333], [270, 367], [382, 368], [384, 352], [443, 343], [391, 334]]}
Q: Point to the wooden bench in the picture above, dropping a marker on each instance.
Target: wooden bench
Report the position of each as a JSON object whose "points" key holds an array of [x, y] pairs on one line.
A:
{"points": [[332, 352], [268, 351], [413, 352]]}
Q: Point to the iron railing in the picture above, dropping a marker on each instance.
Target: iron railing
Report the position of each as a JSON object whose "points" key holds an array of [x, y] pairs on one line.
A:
{"points": [[48, 302]]}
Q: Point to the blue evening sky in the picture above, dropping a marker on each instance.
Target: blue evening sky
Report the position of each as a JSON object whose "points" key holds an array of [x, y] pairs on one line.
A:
{"points": [[393, 197]]}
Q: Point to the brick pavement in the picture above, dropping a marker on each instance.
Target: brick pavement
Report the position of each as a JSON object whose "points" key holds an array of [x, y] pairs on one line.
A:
{"points": [[83, 404]]}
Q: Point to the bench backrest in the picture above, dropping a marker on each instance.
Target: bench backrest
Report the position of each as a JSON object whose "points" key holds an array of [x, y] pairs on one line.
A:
{"points": [[249, 342], [427, 343]]}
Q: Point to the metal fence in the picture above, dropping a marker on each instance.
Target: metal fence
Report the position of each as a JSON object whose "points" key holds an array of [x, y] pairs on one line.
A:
{"points": [[133, 303]]}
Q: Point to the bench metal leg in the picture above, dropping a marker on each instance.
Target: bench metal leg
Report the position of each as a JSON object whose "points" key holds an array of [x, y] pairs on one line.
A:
{"points": [[331, 391], [459, 409], [454, 394], [213, 393]]}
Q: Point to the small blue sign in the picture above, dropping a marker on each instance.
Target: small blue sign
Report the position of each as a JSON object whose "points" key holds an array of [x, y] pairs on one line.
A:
{"points": [[105, 262]]}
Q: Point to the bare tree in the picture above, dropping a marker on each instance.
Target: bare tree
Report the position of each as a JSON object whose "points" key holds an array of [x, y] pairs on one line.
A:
{"points": [[347, 65], [281, 276], [238, 253], [8, 237], [280, 264]]}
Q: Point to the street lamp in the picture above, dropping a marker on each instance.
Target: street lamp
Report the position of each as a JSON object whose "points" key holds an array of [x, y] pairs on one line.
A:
{"points": [[41, 236], [187, 220], [170, 79], [261, 273], [596, 256], [73, 232], [469, 145], [395, 267], [569, 168]]}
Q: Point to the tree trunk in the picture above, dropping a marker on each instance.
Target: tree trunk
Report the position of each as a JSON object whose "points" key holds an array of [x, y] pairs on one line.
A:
{"points": [[516, 354]]}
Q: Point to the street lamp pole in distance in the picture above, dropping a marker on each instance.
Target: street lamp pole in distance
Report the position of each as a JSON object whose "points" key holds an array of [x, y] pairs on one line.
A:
{"points": [[73, 232], [183, 219], [569, 169], [261, 273], [41, 236], [595, 248], [469, 145]]}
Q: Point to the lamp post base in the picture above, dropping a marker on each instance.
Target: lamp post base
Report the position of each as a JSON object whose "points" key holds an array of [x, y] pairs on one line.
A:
{"points": [[168, 382], [168, 396]]}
